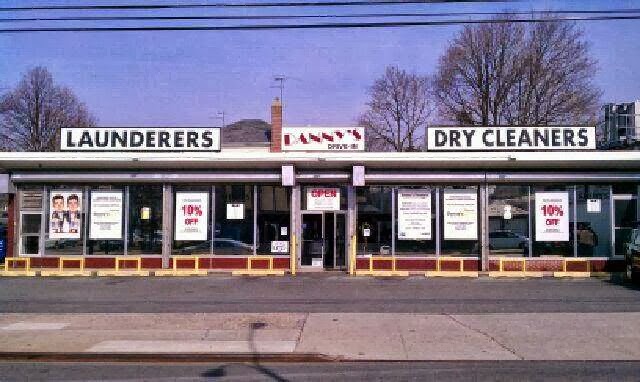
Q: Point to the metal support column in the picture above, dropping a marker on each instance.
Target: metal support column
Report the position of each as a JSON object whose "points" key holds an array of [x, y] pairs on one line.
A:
{"points": [[393, 221], [484, 224], [255, 220], [575, 221], [125, 245], [296, 222], [352, 213], [167, 223], [437, 195]]}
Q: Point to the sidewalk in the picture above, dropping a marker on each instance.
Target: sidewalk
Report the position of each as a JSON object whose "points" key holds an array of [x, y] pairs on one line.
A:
{"points": [[340, 336]]}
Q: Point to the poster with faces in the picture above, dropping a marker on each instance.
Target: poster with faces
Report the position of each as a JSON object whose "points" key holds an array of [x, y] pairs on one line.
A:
{"points": [[65, 214]]}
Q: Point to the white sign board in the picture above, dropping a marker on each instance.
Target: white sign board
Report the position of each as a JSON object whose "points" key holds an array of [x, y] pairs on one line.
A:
{"points": [[460, 210], [552, 216], [279, 246], [106, 215], [65, 214], [414, 214], [511, 138], [140, 139], [323, 199], [235, 211], [594, 206], [323, 139], [192, 215]]}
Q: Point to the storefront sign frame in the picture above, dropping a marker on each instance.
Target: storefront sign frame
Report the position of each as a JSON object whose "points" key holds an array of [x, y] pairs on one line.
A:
{"points": [[511, 138], [140, 139]]}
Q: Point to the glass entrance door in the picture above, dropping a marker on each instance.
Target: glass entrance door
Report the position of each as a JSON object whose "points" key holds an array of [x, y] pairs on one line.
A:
{"points": [[625, 211], [323, 240]]}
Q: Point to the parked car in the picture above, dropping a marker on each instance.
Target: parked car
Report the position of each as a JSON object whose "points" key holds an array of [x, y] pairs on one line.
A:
{"points": [[221, 246], [505, 239], [632, 254]]}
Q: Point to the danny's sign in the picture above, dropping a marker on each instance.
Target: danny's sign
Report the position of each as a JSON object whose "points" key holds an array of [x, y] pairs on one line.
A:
{"points": [[140, 139], [322, 138], [510, 138]]}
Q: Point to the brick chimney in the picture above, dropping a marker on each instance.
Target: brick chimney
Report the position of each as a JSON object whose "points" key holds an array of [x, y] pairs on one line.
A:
{"points": [[276, 126]]}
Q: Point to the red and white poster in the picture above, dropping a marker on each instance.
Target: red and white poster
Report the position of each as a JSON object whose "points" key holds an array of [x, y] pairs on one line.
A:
{"points": [[323, 139], [552, 216], [192, 215], [323, 199]]}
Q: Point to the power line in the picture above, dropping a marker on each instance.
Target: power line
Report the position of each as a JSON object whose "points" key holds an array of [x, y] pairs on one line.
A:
{"points": [[236, 5], [287, 17], [313, 26]]}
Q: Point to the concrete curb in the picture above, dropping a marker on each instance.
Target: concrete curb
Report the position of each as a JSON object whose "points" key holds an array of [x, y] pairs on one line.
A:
{"points": [[166, 357]]}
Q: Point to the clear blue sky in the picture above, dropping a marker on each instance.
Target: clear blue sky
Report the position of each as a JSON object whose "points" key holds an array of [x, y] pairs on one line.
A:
{"points": [[184, 78]]}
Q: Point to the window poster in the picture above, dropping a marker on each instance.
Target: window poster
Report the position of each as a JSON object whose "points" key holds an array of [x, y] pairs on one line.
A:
{"points": [[65, 214], [552, 216], [106, 215], [192, 215], [235, 211], [460, 215], [414, 214]]}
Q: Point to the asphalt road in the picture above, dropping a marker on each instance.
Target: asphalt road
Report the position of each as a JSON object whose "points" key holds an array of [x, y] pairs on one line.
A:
{"points": [[360, 371], [314, 293]]}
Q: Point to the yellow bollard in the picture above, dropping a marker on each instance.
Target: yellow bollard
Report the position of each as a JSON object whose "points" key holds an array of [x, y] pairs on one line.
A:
{"points": [[292, 255]]}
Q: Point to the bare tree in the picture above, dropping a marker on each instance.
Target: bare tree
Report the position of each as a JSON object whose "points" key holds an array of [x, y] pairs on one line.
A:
{"points": [[508, 73], [32, 114], [398, 111]]}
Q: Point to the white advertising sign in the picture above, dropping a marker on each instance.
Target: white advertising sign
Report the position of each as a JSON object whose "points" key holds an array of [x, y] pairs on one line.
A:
{"points": [[594, 205], [279, 246], [460, 215], [323, 139], [235, 211], [192, 215], [414, 214], [511, 138], [552, 216], [140, 139], [323, 199], [65, 214], [106, 215]]}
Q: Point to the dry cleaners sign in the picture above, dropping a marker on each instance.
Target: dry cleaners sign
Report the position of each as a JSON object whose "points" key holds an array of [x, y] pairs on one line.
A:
{"points": [[140, 139], [511, 138]]}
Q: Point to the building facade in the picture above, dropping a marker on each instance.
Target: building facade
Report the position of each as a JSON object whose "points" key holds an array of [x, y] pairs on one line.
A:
{"points": [[224, 207]]}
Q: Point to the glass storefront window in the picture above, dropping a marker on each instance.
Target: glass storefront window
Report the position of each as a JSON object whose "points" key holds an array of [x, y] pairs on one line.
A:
{"points": [[66, 217], [415, 221], [593, 229], [145, 220], [109, 208], [508, 220], [553, 225], [374, 224], [460, 221], [273, 219], [234, 220], [190, 205], [30, 233]]}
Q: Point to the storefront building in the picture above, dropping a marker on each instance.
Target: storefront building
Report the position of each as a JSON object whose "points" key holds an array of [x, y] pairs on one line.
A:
{"points": [[454, 202]]}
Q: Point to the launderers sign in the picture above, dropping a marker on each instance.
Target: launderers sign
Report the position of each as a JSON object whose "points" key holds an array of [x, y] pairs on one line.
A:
{"points": [[511, 138], [140, 139]]}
